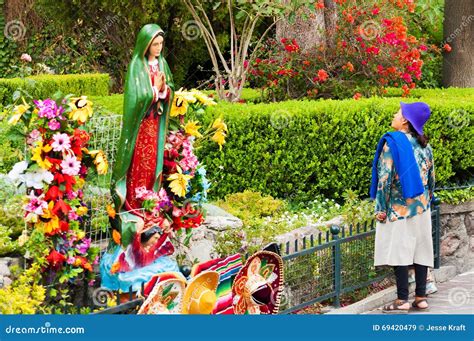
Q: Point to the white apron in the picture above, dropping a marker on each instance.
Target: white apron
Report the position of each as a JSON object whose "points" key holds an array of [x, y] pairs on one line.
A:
{"points": [[405, 241]]}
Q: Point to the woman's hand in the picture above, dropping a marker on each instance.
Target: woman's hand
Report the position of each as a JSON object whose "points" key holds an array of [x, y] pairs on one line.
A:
{"points": [[381, 217]]}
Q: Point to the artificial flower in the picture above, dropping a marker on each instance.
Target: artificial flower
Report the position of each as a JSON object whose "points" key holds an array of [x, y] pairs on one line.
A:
{"points": [[203, 98], [219, 138], [100, 161], [54, 124], [49, 222], [116, 237], [33, 137], [179, 106], [61, 142], [110, 211], [81, 109], [81, 211], [18, 113], [179, 183], [25, 57], [192, 128], [16, 174], [70, 165], [38, 178], [48, 109], [36, 204], [219, 124], [39, 155], [55, 259]]}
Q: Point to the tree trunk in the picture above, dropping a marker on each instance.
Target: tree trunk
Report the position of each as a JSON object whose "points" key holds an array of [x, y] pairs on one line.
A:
{"points": [[330, 22], [458, 65], [307, 32]]}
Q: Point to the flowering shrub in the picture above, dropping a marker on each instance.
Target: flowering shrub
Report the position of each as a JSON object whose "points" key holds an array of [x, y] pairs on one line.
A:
{"points": [[54, 174], [371, 50]]}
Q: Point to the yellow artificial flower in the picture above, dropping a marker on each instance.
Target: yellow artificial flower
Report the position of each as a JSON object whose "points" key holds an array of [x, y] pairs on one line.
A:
{"points": [[179, 107], [100, 160], [220, 124], [80, 235], [203, 98], [192, 128], [39, 157], [101, 163], [18, 113], [81, 211], [81, 109], [50, 221], [179, 183], [219, 138], [111, 211]]}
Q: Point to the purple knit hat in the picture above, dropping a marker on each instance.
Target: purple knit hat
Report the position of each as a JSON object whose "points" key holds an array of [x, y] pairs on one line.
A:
{"points": [[417, 114]]}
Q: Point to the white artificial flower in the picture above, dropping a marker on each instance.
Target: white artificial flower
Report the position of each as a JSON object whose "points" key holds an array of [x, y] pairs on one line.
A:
{"points": [[16, 174], [37, 178]]}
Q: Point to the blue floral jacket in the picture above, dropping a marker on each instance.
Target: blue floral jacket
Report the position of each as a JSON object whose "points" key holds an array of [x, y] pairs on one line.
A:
{"points": [[389, 197]]}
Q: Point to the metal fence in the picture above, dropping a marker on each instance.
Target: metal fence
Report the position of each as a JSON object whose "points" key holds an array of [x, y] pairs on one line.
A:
{"points": [[337, 263]]}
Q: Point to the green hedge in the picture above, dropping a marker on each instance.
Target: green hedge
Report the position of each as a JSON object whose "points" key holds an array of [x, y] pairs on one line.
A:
{"points": [[299, 149], [44, 86]]}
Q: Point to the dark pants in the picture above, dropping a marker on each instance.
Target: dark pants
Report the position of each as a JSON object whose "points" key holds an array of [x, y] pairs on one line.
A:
{"points": [[401, 274]]}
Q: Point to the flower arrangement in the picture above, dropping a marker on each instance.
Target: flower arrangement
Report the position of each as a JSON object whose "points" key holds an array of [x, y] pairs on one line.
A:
{"points": [[54, 174], [178, 204]]}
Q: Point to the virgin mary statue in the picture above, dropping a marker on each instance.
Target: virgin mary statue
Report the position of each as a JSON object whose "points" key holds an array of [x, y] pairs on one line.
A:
{"points": [[143, 247]]}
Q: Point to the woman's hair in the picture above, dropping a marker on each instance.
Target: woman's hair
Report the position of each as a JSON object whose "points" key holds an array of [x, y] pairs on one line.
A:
{"points": [[145, 236], [161, 33], [422, 139]]}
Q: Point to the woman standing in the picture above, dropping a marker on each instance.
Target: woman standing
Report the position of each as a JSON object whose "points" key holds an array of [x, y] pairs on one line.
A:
{"points": [[402, 185]]}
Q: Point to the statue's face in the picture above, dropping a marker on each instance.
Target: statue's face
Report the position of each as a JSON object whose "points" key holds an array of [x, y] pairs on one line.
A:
{"points": [[156, 46]]}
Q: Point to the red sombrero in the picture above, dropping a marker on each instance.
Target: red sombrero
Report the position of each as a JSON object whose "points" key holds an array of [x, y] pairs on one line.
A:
{"points": [[258, 286]]}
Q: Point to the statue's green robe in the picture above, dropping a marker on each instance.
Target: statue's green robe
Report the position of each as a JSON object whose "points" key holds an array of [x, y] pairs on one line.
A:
{"points": [[138, 98]]}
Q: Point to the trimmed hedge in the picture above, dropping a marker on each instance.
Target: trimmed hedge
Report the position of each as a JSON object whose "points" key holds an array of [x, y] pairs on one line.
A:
{"points": [[43, 86], [299, 149]]}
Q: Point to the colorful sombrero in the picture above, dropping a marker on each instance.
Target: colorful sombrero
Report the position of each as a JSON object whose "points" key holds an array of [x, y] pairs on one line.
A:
{"points": [[163, 276], [165, 298], [227, 268], [258, 286], [200, 295]]}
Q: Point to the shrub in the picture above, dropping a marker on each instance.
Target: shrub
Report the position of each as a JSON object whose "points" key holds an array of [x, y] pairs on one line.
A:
{"points": [[43, 86], [305, 148]]}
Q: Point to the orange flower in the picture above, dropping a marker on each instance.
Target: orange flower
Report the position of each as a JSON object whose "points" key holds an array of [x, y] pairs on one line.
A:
{"points": [[447, 47], [357, 95], [115, 268], [116, 237], [111, 211]]}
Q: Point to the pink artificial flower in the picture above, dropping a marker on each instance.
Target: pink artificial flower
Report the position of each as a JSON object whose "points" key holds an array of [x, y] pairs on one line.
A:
{"points": [[72, 215], [141, 192], [36, 204], [33, 137], [71, 260], [61, 142], [26, 57], [54, 125], [70, 165], [48, 108]]}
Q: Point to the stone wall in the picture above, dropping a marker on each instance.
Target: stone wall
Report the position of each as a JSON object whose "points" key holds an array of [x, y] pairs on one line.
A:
{"points": [[457, 236], [5, 274]]}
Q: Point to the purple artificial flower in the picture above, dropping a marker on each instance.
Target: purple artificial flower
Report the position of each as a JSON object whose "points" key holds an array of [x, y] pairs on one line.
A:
{"points": [[48, 108], [54, 125]]}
